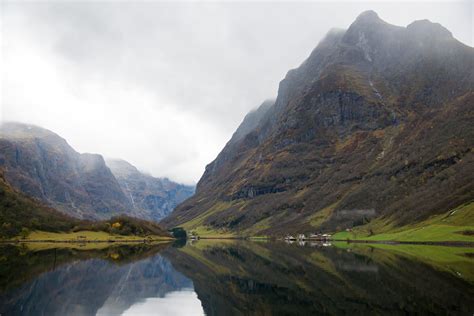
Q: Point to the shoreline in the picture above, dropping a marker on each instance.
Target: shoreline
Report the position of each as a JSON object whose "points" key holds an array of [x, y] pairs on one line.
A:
{"points": [[145, 241], [148, 241], [394, 242], [387, 242]]}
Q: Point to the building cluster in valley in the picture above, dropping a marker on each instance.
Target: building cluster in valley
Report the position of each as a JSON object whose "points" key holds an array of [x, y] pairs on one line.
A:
{"points": [[321, 237]]}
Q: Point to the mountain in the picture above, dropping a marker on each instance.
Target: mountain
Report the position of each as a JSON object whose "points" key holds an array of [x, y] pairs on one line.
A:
{"points": [[21, 214], [377, 123], [43, 165], [18, 211], [151, 198]]}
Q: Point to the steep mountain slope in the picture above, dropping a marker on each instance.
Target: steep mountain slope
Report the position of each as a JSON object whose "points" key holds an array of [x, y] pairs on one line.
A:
{"points": [[20, 215], [152, 198], [18, 211], [43, 165], [376, 123]]}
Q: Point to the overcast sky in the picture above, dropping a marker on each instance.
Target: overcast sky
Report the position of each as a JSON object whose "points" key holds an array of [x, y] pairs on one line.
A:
{"points": [[164, 85]]}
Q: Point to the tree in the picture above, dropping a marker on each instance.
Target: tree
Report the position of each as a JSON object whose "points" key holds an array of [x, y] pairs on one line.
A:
{"points": [[24, 232], [178, 233]]}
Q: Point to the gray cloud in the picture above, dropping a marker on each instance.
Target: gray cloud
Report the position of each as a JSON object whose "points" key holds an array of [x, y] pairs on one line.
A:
{"points": [[165, 84]]}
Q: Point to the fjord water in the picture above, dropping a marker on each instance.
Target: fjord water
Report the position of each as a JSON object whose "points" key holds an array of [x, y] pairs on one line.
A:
{"points": [[236, 278]]}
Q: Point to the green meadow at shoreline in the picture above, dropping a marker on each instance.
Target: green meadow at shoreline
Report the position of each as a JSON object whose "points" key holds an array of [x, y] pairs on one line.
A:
{"points": [[454, 226], [86, 236]]}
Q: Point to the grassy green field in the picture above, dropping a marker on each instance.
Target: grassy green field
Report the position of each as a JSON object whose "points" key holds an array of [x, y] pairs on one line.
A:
{"points": [[455, 225], [197, 226], [207, 232], [86, 236]]}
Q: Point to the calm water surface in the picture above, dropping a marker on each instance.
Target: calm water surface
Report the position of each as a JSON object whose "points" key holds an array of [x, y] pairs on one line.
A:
{"points": [[236, 278]]}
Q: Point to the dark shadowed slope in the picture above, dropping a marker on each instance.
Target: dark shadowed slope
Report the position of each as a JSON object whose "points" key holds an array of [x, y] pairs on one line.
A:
{"points": [[377, 122], [18, 212], [20, 215]]}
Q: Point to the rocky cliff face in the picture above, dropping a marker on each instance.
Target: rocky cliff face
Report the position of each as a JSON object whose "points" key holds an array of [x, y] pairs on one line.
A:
{"points": [[376, 123], [43, 165], [152, 198], [18, 211]]}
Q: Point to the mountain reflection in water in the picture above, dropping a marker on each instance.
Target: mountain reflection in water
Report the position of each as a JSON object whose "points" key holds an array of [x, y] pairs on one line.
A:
{"points": [[237, 278], [183, 302]]}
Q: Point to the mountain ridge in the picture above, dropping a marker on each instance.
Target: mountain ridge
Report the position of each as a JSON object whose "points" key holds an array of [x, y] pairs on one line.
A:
{"points": [[43, 165], [376, 118], [153, 198]]}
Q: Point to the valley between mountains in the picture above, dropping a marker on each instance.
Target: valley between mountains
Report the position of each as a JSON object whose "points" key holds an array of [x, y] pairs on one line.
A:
{"points": [[48, 186], [371, 137]]}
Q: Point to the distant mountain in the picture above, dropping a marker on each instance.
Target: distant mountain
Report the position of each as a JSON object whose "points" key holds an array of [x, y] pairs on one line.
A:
{"points": [[376, 123], [21, 214], [151, 198], [43, 165]]}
